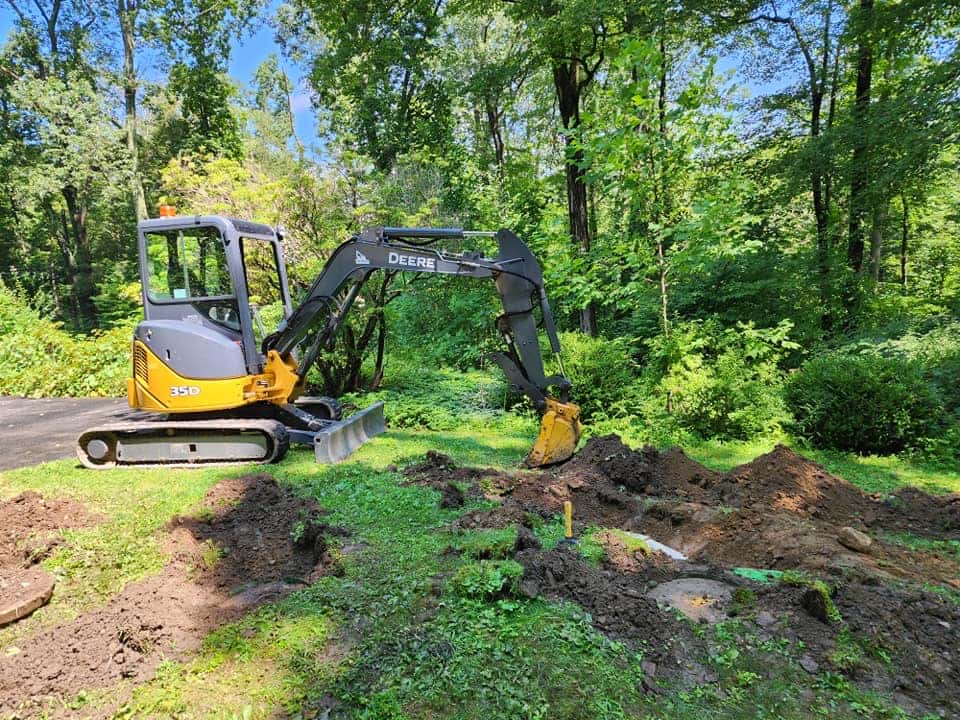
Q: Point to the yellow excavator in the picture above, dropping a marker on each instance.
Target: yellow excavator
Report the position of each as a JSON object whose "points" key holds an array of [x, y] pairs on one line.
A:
{"points": [[223, 390]]}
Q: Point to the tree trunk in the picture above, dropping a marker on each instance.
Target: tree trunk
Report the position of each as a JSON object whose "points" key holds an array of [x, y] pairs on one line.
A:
{"points": [[495, 130], [876, 240], [127, 14], [904, 237], [567, 81], [859, 176], [82, 281]]}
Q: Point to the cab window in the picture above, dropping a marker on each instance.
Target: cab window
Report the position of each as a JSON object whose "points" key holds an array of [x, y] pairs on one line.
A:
{"points": [[190, 266], [262, 269]]}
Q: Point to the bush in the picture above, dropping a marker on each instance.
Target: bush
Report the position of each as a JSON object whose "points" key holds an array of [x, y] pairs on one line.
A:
{"points": [[600, 370], [864, 403], [419, 397], [719, 382], [38, 358]]}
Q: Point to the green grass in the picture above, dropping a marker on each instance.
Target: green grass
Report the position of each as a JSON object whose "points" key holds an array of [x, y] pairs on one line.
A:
{"points": [[392, 637]]}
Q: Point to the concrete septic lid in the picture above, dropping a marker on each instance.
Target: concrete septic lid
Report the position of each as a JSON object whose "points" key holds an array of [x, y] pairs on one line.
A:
{"points": [[699, 599], [22, 592]]}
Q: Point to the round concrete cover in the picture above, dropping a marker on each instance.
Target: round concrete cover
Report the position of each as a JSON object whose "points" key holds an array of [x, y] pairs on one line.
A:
{"points": [[22, 592], [699, 599]]}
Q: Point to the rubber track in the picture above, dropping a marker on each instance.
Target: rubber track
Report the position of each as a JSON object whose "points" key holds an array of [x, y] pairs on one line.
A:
{"points": [[272, 429]]}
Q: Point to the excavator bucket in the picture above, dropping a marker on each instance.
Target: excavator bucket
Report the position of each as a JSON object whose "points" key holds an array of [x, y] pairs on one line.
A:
{"points": [[560, 432], [340, 440]]}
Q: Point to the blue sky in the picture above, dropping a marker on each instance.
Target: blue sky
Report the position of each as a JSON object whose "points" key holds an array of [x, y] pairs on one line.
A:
{"points": [[246, 56]]}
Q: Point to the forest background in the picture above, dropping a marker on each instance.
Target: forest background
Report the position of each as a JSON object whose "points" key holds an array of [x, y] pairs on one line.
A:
{"points": [[747, 212]]}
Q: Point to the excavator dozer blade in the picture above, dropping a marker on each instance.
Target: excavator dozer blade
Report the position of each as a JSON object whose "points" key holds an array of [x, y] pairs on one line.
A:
{"points": [[340, 440], [560, 432]]}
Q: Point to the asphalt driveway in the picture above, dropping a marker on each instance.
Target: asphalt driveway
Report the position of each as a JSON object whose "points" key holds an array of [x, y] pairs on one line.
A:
{"points": [[35, 431]]}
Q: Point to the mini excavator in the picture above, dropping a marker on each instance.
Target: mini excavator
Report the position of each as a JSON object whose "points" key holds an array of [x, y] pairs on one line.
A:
{"points": [[219, 389]]}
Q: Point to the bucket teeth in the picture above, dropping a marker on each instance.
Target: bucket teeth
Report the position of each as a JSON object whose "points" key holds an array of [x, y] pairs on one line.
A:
{"points": [[340, 440], [560, 432]]}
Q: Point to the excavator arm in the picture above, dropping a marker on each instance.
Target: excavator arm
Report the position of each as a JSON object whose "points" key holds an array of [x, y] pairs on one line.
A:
{"points": [[313, 324]]}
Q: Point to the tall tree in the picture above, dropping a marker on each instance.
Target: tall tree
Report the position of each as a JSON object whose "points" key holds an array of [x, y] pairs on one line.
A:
{"points": [[127, 11], [572, 39]]}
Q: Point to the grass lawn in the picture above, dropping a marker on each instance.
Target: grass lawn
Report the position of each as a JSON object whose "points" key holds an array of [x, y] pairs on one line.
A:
{"points": [[392, 637]]}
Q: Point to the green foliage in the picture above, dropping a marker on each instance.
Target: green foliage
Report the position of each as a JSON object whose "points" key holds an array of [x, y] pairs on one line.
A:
{"points": [[38, 358], [600, 370], [421, 398], [487, 579], [864, 403], [719, 382]]}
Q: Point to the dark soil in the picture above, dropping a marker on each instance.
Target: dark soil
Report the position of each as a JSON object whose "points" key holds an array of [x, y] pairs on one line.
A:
{"points": [[251, 541], [32, 526], [440, 472], [620, 608], [780, 511]]}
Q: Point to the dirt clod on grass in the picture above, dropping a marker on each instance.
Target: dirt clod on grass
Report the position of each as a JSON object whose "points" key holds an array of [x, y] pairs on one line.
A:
{"points": [[32, 527], [250, 542], [780, 512], [32, 530]]}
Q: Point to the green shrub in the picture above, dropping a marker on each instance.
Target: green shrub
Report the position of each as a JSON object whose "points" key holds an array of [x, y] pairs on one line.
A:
{"points": [[600, 370], [719, 382], [864, 403], [423, 398], [38, 358]]}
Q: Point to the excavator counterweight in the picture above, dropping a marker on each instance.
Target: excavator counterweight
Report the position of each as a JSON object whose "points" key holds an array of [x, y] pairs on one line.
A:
{"points": [[224, 390]]}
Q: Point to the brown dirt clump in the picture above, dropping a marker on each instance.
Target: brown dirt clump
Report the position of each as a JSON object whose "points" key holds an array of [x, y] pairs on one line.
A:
{"points": [[32, 527], [251, 541], [437, 470], [620, 608]]}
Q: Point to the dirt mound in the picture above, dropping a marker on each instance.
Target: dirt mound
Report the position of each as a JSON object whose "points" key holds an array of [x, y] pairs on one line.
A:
{"points": [[634, 470], [251, 541], [620, 608], [32, 525], [455, 483], [892, 640], [915, 511]]}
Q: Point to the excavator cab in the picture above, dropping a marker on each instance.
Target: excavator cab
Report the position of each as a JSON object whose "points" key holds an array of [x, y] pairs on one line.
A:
{"points": [[223, 353], [209, 288]]}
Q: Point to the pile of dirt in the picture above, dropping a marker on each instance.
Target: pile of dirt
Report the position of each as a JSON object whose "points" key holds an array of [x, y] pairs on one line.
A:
{"points": [[895, 640], [620, 608], [781, 511], [440, 472], [33, 525], [251, 541], [32, 530]]}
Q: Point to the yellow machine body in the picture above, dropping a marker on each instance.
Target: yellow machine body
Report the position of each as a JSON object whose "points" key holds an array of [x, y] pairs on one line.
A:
{"points": [[157, 388], [560, 431]]}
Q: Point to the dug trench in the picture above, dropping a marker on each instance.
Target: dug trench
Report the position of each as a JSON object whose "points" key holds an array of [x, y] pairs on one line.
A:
{"points": [[251, 541], [792, 552]]}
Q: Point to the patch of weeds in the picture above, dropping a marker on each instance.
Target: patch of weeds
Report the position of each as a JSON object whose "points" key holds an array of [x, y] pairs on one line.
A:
{"points": [[743, 601], [210, 554], [551, 533], [847, 653], [795, 578], [949, 548], [205, 514], [298, 532], [487, 579], [486, 544]]}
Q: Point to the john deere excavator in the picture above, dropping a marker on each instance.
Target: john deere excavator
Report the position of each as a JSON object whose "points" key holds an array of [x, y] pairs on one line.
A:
{"points": [[225, 391]]}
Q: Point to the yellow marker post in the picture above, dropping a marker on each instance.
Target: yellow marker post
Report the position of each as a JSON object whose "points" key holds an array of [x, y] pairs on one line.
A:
{"points": [[568, 520]]}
